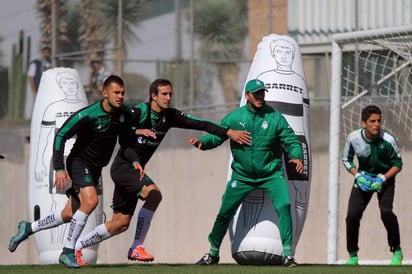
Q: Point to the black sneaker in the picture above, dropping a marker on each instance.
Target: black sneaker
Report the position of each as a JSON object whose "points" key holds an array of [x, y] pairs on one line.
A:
{"points": [[289, 261], [208, 259]]}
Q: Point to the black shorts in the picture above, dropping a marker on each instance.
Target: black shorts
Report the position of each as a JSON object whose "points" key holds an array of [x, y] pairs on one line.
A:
{"points": [[82, 175], [127, 187]]}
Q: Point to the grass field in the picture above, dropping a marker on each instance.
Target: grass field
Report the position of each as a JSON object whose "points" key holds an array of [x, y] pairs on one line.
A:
{"points": [[185, 268]]}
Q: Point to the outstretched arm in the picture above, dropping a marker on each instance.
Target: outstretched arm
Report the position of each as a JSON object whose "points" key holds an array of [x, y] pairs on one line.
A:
{"points": [[239, 136], [194, 141], [146, 132]]}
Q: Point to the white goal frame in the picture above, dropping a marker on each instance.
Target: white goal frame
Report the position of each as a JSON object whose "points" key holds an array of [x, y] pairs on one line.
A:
{"points": [[335, 121]]}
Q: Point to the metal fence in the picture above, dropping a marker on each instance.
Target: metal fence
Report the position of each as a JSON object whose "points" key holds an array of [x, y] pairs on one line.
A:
{"points": [[161, 43]]}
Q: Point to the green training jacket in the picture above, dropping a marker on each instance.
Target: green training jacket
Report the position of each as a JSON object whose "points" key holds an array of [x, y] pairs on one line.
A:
{"points": [[270, 133]]}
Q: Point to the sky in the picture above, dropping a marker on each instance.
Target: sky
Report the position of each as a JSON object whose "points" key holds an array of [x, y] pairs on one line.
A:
{"points": [[18, 15]]}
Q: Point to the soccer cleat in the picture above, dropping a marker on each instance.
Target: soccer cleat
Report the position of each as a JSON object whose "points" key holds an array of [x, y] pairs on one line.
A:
{"points": [[79, 260], [68, 258], [22, 234], [397, 258], [208, 259], [289, 261], [139, 254], [353, 260]]}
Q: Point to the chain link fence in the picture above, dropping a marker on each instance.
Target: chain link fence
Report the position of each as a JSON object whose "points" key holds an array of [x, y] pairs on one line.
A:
{"points": [[140, 40]]}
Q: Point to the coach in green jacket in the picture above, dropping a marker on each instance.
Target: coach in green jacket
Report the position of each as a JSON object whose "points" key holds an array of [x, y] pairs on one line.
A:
{"points": [[257, 165]]}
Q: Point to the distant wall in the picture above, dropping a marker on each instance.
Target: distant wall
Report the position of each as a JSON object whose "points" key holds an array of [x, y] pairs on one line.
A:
{"points": [[192, 183]]}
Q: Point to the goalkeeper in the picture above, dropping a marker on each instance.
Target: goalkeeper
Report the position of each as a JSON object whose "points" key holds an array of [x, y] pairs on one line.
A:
{"points": [[379, 161]]}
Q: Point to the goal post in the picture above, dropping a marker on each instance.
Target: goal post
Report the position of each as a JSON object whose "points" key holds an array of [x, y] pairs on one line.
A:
{"points": [[367, 67]]}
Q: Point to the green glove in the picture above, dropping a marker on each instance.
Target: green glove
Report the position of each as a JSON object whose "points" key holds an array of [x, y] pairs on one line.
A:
{"points": [[363, 181], [377, 182]]}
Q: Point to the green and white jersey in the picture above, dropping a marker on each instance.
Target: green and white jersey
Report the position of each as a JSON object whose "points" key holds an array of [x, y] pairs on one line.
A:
{"points": [[96, 133], [374, 156]]}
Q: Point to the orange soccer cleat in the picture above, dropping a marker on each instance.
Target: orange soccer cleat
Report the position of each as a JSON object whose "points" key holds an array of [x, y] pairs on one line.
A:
{"points": [[139, 254], [79, 258]]}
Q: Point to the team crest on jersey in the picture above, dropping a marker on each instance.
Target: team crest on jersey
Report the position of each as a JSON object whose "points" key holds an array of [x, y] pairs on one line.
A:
{"points": [[141, 140], [265, 125], [121, 118]]}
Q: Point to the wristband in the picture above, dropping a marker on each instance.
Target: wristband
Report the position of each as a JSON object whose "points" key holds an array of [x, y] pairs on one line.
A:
{"points": [[382, 177]]}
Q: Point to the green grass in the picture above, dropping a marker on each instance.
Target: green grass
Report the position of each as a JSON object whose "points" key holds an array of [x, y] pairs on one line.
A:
{"points": [[185, 268]]}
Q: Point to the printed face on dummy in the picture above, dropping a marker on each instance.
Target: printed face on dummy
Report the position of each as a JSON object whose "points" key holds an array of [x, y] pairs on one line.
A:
{"points": [[68, 84]]}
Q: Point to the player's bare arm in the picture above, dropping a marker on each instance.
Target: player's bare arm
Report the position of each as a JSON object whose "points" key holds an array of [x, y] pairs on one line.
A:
{"points": [[392, 172]]}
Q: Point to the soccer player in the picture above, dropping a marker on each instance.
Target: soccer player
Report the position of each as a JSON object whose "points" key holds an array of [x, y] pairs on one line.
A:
{"points": [[379, 159], [152, 120], [255, 165], [97, 128]]}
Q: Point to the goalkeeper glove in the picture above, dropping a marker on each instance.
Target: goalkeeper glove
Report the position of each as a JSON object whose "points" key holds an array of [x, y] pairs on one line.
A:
{"points": [[363, 181], [377, 182]]}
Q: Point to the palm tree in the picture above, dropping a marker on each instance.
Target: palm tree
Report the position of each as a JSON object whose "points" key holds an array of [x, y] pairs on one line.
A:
{"points": [[92, 36], [132, 11], [222, 27], [44, 8], [1, 53], [98, 22], [70, 46]]}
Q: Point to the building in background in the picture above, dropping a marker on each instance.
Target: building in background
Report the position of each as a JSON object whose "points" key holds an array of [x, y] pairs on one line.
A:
{"points": [[165, 38], [312, 23]]}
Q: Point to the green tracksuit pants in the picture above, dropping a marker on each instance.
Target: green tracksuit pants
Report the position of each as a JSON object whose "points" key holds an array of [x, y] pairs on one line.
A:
{"points": [[275, 188]]}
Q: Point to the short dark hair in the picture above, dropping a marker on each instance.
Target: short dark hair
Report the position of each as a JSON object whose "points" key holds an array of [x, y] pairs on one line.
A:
{"points": [[94, 60], [46, 48], [157, 83], [368, 111], [113, 79]]}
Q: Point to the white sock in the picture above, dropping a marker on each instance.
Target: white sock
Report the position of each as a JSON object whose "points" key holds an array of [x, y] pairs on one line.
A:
{"points": [[77, 224], [143, 224], [97, 235], [52, 220]]}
